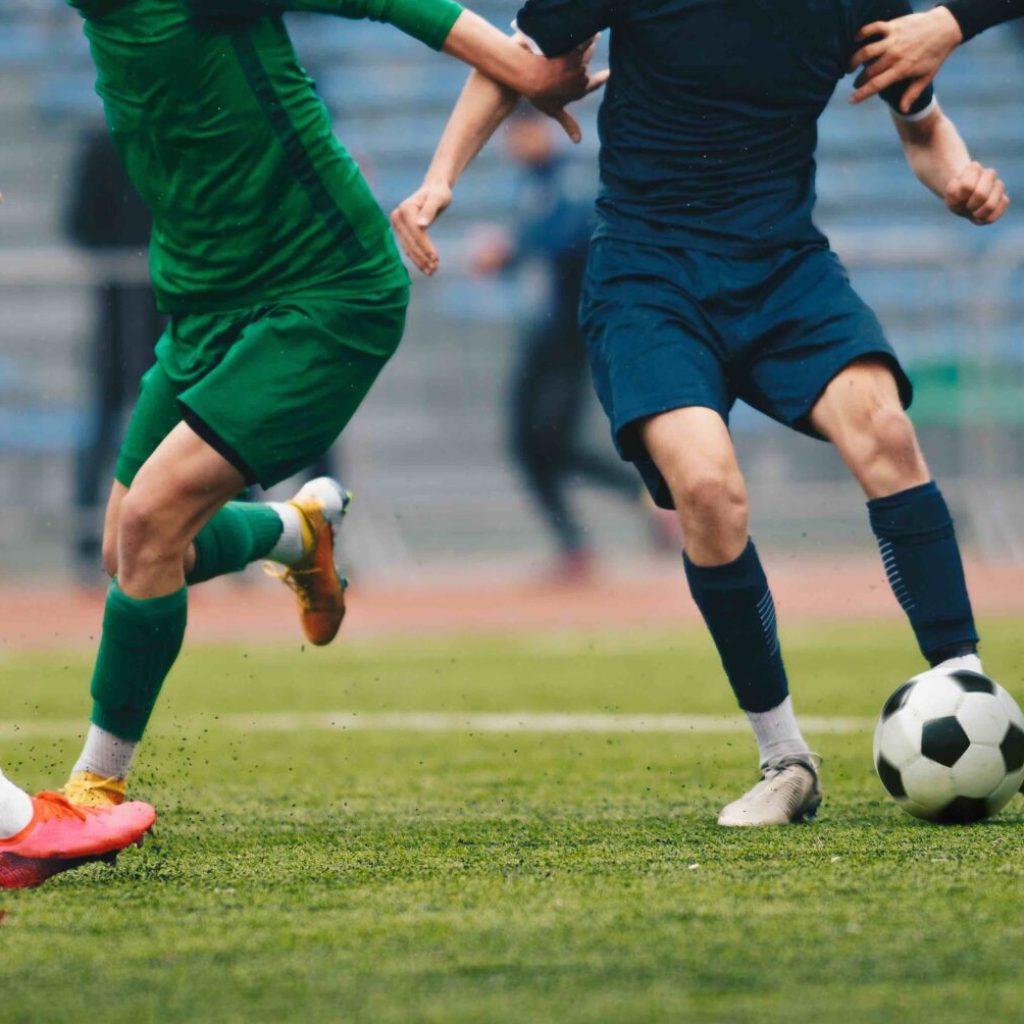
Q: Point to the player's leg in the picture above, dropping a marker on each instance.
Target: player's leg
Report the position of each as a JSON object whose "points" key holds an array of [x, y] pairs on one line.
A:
{"points": [[311, 363], [237, 535], [693, 451], [243, 532], [172, 496], [298, 534], [825, 367], [861, 412], [659, 368], [151, 528]]}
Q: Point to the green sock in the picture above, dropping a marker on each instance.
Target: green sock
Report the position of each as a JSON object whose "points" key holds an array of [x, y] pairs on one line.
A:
{"points": [[240, 533], [140, 643]]}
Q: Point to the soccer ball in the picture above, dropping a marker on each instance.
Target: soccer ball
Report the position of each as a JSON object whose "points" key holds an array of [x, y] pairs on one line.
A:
{"points": [[949, 746]]}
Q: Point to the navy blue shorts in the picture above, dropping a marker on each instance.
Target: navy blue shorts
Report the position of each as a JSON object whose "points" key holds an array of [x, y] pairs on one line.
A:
{"points": [[670, 328]]}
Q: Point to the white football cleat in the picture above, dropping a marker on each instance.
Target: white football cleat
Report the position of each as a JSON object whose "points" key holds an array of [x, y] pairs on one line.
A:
{"points": [[789, 792]]}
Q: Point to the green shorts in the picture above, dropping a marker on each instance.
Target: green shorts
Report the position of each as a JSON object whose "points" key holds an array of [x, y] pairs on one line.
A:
{"points": [[270, 388]]}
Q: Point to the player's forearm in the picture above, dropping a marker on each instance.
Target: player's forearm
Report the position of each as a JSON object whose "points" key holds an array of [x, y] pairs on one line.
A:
{"points": [[934, 150], [496, 55], [482, 107], [974, 16]]}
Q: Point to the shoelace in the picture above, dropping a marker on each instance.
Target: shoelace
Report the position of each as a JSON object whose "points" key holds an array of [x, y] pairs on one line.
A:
{"points": [[292, 579], [58, 806]]}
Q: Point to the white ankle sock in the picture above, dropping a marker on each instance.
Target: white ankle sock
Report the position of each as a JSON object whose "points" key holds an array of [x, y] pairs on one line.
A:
{"points": [[106, 754], [288, 550], [15, 808], [778, 733]]}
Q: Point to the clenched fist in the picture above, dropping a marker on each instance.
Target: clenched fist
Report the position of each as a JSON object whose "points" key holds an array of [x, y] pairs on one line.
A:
{"points": [[977, 194]]}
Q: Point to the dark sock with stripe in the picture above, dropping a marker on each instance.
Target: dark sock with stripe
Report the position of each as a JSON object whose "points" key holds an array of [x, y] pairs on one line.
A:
{"points": [[738, 608], [922, 560], [240, 533]]}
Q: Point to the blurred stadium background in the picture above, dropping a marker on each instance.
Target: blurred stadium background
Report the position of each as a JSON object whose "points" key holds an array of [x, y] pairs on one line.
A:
{"points": [[426, 455]]}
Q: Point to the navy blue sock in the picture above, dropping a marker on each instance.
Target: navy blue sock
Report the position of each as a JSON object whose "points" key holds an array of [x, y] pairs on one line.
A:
{"points": [[739, 611], [922, 560]]}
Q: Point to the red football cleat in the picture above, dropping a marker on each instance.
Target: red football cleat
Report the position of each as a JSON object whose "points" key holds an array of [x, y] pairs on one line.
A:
{"points": [[61, 836]]}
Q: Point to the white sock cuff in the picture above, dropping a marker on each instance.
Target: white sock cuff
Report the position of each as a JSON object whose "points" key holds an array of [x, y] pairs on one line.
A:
{"points": [[15, 808], [288, 550], [106, 754], [778, 732]]}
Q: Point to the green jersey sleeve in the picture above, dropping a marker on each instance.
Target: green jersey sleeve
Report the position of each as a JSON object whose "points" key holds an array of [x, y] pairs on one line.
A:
{"points": [[429, 21]]}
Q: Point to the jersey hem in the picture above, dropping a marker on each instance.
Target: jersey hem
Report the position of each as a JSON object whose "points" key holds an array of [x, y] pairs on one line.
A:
{"points": [[720, 247], [366, 290]]}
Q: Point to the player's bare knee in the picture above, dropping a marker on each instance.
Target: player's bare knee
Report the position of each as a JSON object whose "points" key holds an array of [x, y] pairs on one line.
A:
{"points": [[148, 531], [895, 438], [713, 502], [890, 448]]}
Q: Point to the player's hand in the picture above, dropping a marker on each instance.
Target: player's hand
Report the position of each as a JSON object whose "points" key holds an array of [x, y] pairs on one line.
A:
{"points": [[910, 49], [977, 194], [556, 109], [413, 219], [564, 80]]}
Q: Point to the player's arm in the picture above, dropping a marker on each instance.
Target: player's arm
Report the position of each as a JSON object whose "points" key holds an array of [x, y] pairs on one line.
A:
{"points": [[556, 28], [941, 161], [447, 26], [913, 48], [503, 59], [481, 109], [443, 25]]}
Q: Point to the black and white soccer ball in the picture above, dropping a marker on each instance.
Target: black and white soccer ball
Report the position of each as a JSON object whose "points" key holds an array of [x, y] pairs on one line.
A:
{"points": [[949, 746]]}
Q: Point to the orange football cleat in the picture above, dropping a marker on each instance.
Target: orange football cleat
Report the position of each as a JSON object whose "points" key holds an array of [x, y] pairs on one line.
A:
{"points": [[61, 836], [318, 586]]}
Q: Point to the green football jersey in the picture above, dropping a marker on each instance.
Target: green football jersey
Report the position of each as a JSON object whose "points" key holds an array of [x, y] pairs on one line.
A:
{"points": [[223, 134]]}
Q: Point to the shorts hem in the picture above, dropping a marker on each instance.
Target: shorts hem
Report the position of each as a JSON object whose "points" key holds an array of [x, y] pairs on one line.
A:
{"points": [[638, 455], [657, 408], [222, 447], [126, 470]]}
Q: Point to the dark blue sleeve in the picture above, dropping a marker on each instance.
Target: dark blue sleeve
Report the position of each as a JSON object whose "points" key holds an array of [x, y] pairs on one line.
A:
{"points": [[888, 10], [974, 16], [559, 26]]}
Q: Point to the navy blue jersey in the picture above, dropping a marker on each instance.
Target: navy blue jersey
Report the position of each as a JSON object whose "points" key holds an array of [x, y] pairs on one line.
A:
{"points": [[709, 124]]}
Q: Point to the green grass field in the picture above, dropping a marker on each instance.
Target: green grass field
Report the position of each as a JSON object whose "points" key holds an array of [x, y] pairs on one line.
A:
{"points": [[393, 876]]}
